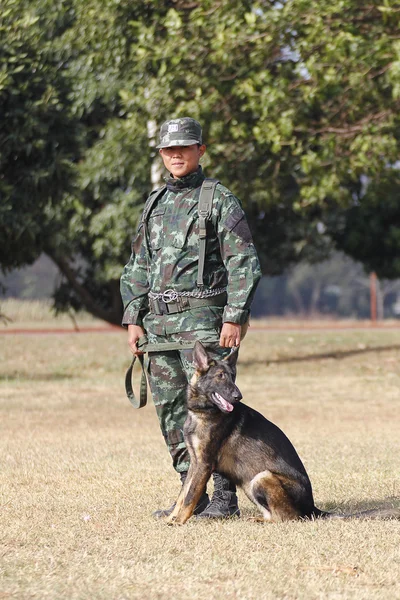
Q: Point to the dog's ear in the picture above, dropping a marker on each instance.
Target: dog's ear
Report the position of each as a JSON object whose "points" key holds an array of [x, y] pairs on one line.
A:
{"points": [[231, 359], [200, 357]]}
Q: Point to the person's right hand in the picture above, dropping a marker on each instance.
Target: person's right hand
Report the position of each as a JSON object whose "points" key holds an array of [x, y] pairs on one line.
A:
{"points": [[134, 333]]}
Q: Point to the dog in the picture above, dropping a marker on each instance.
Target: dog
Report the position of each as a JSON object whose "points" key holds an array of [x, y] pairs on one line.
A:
{"points": [[222, 434]]}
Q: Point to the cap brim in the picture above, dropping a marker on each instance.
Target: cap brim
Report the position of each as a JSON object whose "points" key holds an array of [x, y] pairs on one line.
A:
{"points": [[172, 143]]}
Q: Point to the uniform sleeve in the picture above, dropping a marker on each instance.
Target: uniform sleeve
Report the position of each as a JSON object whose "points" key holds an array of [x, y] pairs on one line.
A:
{"points": [[134, 282], [239, 256]]}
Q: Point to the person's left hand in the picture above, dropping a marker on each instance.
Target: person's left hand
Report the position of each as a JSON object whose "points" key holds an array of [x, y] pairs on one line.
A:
{"points": [[230, 335]]}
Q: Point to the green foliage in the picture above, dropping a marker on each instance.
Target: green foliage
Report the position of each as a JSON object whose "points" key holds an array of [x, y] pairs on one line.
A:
{"points": [[299, 102], [295, 107], [370, 229], [38, 142]]}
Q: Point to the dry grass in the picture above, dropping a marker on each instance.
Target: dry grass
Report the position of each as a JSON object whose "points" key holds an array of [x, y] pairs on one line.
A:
{"points": [[35, 314], [82, 471]]}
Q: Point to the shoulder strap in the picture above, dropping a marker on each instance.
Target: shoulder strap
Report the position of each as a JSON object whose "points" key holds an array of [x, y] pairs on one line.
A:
{"points": [[151, 200], [205, 209]]}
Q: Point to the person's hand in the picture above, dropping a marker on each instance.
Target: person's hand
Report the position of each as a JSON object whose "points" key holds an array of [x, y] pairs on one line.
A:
{"points": [[134, 333], [230, 335]]}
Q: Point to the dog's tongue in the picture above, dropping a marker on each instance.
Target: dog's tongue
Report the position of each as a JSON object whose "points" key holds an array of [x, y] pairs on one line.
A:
{"points": [[225, 405]]}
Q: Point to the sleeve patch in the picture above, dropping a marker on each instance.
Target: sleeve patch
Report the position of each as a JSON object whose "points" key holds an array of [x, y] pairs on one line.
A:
{"points": [[237, 224]]}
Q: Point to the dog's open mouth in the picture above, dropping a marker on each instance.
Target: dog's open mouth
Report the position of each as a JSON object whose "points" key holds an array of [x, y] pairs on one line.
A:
{"points": [[222, 404]]}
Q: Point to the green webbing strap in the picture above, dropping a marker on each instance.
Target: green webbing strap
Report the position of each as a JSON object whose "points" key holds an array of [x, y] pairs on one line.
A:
{"points": [[205, 208], [144, 363], [150, 202], [143, 384]]}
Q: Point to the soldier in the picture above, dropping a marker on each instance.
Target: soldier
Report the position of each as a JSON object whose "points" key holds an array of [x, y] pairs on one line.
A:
{"points": [[165, 297]]}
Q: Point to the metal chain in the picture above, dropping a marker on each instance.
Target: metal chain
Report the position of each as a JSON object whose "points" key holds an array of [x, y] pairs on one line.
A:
{"points": [[172, 295]]}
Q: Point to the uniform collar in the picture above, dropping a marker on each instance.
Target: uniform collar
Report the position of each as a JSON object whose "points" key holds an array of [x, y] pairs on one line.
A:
{"points": [[192, 180]]}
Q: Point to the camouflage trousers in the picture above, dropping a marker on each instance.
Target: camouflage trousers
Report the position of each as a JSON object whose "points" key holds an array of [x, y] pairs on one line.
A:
{"points": [[169, 374]]}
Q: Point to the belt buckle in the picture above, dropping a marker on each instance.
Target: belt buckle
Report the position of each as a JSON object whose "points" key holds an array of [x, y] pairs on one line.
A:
{"points": [[169, 296]]}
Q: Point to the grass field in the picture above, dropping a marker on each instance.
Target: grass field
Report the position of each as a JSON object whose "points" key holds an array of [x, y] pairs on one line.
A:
{"points": [[82, 472]]}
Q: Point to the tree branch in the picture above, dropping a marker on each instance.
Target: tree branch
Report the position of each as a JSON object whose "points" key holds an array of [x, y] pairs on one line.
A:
{"points": [[350, 130]]}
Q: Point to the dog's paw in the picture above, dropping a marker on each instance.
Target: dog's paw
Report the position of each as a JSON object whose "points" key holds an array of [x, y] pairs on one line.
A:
{"points": [[173, 522], [170, 520]]}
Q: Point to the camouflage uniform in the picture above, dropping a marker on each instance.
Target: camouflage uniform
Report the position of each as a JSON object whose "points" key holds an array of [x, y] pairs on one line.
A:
{"points": [[165, 256]]}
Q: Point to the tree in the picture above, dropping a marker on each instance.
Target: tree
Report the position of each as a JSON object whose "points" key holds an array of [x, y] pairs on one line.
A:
{"points": [[69, 163], [296, 109], [369, 230], [38, 140]]}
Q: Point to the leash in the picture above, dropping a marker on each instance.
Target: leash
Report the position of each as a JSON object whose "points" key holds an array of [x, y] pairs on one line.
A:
{"points": [[147, 348]]}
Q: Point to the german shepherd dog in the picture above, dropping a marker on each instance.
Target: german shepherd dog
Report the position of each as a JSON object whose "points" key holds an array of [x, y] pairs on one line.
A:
{"points": [[224, 435]]}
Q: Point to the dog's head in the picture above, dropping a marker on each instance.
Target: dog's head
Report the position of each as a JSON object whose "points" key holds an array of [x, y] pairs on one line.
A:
{"points": [[214, 380]]}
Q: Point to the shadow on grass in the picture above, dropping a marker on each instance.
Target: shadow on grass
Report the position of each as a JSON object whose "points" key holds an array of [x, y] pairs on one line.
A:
{"points": [[346, 509], [23, 377], [354, 506], [337, 354]]}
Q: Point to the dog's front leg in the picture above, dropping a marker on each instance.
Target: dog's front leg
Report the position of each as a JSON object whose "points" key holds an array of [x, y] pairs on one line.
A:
{"points": [[193, 488]]}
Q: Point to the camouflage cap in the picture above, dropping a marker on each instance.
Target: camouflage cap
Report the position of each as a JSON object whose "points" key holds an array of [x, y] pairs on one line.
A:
{"points": [[180, 132]]}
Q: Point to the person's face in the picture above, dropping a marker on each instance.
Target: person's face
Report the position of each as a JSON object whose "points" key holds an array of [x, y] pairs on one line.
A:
{"points": [[182, 160]]}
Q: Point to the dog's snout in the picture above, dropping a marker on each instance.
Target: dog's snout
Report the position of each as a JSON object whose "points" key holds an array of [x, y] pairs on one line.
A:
{"points": [[236, 395]]}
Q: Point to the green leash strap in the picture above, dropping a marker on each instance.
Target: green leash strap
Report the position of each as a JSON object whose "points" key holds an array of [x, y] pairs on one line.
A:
{"points": [[146, 348], [143, 384]]}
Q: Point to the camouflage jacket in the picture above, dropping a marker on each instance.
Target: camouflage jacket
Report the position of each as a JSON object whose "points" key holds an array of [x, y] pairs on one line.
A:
{"points": [[165, 256]]}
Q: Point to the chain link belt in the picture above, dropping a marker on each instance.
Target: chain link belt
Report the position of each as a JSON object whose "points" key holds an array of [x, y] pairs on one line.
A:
{"points": [[171, 301]]}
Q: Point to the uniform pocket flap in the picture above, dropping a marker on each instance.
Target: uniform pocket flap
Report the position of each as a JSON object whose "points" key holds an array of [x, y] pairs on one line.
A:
{"points": [[157, 211]]}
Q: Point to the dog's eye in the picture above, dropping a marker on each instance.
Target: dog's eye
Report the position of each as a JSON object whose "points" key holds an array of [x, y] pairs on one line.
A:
{"points": [[221, 375]]}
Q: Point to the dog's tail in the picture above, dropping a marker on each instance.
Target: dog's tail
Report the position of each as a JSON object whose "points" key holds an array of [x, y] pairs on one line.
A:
{"points": [[375, 513]]}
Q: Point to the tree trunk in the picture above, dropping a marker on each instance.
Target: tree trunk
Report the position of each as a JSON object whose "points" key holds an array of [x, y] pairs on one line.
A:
{"points": [[113, 315]]}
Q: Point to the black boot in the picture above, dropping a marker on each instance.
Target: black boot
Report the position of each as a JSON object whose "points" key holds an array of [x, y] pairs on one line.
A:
{"points": [[224, 501], [202, 503]]}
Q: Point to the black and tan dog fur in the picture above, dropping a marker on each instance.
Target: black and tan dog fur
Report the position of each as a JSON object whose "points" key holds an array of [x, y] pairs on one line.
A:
{"points": [[224, 435]]}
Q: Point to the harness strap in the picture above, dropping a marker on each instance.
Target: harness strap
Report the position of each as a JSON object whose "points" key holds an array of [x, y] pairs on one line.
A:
{"points": [[205, 209], [146, 348], [151, 201]]}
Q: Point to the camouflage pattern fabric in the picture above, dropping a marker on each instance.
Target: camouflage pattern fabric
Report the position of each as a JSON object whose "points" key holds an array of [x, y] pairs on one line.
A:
{"points": [[165, 255], [169, 374], [180, 132]]}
